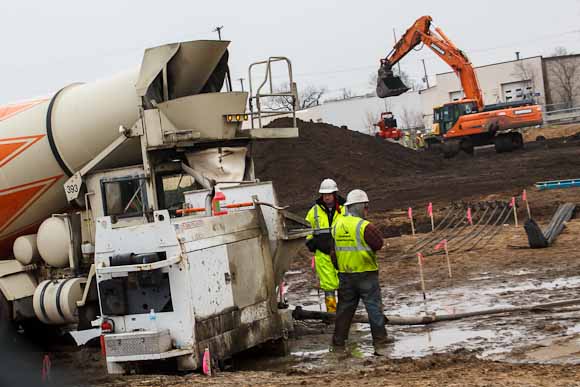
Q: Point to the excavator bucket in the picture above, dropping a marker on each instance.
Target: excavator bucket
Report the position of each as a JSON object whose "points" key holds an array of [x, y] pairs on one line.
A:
{"points": [[389, 84]]}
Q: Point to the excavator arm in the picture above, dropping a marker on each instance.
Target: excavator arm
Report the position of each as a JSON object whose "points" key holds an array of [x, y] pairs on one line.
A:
{"points": [[390, 85]]}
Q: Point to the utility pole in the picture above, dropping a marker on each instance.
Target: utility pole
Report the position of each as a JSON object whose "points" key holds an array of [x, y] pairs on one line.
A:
{"points": [[395, 39], [425, 70], [241, 83], [228, 77], [219, 31]]}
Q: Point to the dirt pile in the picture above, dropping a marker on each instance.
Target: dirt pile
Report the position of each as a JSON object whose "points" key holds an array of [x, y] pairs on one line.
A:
{"points": [[396, 177], [353, 159]]}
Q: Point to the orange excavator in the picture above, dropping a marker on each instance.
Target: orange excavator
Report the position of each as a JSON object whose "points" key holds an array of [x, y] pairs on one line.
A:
{"points": [[466, 123]]}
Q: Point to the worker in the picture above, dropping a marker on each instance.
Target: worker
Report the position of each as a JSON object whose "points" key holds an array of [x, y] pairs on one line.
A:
{"points": [[356, 242], [323, 214]]}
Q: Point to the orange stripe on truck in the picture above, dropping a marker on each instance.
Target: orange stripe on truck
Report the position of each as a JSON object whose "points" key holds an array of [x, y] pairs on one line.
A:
{"points": [[10, 148], [15, 200], [11, 110]]}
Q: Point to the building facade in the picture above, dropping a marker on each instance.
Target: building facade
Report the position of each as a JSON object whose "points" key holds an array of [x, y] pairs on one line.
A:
{"points": [[562, 81]]}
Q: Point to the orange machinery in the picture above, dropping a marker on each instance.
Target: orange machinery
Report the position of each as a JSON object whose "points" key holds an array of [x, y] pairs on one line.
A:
{"points": [[388, 127], [463, 124]]}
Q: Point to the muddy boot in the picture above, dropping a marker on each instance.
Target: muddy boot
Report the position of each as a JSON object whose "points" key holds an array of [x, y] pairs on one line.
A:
{"points": [[338, 352], [382, 350], [330, 301], [382, 345]]}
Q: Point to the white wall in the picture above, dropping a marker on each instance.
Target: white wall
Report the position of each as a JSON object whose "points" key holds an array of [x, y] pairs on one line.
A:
{"points": [[360, 112]]}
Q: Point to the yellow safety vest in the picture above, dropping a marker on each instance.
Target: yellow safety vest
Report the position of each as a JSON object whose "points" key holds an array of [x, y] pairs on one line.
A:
{"points": [[318, 219], [352, 252]]}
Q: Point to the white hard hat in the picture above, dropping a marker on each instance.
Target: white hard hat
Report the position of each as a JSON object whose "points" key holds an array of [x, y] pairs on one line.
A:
{"points": [[356, 196], [328, 186]]}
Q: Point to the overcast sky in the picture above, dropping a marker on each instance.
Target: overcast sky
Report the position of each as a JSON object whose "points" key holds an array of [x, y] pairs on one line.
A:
{"points": [[332, 43]]}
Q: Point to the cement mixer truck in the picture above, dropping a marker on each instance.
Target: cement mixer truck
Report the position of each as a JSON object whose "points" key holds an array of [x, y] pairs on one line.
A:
{"points": [[129, 205]]}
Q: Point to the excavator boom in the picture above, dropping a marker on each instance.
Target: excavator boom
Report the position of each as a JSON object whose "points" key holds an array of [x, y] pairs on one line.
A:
{"points": [[390, 85]]}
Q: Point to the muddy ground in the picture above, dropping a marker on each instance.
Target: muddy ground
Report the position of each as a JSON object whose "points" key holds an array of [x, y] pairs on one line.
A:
{"points": [[538, 348]]}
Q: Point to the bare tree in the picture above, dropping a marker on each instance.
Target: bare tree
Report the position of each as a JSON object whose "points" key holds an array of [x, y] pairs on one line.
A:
{"points": [[370, 120], [526, 74], [346, 93], [307, 98], [565, 79], [560, 51], [411, 119], [372, 117]]}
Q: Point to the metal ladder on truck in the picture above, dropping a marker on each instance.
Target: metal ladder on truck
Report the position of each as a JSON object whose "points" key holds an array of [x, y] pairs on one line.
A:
{"points": [[262, 103]]}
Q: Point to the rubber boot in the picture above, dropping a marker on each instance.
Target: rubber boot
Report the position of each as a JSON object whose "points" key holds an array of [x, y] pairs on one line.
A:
{"points": [[382, 345], [330, 302]]}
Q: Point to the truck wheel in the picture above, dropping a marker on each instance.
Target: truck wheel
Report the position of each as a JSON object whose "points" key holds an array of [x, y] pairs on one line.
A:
{"points": [[451, 149], [467, 146], [517, 140], [503, 143]]}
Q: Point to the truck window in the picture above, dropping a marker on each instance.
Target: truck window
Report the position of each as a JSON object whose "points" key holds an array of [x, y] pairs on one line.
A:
{"points": [[174, 186], [124, 197]]}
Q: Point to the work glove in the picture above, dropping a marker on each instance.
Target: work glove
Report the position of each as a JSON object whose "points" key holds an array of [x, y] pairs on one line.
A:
{"points": [[324, 242], [311, 244]]}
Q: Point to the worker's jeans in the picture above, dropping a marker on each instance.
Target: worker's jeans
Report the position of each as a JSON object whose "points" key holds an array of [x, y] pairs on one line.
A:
{"points": [[353, 287]]}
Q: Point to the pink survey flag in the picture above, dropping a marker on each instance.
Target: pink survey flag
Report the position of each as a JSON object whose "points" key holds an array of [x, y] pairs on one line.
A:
{"points": [[410, 213], [441, 244], [525, 196], [430, 209], [313, 263], [513, 202], [206, 362], [421, 258], [469, 217]]}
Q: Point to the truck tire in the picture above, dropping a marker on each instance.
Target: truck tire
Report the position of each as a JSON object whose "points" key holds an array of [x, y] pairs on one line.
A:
{"points": [[451, 149], [517, 140], [467, 146], [503, 143]]}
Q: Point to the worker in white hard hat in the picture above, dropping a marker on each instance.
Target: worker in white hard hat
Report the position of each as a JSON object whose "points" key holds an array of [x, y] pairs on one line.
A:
{"points": [[354, 253], [323, 214]]}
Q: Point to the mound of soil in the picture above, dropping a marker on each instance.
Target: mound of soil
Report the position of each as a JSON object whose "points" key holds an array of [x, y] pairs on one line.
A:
{"points": [[354, 160], [396, 177]]}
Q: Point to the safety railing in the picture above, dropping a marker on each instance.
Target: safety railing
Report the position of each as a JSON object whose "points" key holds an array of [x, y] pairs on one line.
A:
{"points": [[568, 115], [259, 108]]}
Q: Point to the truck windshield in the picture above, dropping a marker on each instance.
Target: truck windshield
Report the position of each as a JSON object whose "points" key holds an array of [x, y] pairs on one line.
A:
{"points": [[124, 197]]}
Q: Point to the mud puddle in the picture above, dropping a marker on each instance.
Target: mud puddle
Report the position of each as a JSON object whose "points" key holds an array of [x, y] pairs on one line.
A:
{"points": [[505, 338]]}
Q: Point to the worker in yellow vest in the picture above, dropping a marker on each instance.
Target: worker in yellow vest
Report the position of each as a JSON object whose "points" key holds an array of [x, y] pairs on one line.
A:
{"points": [[323, 214], [356, 242]]}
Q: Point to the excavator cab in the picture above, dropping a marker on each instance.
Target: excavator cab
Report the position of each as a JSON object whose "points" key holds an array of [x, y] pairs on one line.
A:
{"points": [[445, 117], [389, 84]]}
